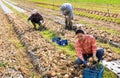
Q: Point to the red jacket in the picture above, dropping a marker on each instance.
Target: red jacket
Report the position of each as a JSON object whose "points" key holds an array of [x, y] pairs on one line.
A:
{"points": [[88, 46]]}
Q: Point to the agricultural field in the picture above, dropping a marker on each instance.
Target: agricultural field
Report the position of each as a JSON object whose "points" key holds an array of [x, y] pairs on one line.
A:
{"points": [[101, 5], [106, 10], [29, 53]]}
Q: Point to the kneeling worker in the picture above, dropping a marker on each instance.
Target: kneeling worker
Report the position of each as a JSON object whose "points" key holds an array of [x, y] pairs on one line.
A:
{"points": [[86, 47]]}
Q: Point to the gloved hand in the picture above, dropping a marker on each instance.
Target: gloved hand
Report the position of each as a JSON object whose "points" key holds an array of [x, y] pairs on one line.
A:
{"points": [[85, 63], [95, 58], [42, 22]]}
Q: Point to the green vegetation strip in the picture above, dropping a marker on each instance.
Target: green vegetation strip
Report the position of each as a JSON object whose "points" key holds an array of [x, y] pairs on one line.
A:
{"points": [[103, 6], [87, 1], [98, 17], [47, 34]]}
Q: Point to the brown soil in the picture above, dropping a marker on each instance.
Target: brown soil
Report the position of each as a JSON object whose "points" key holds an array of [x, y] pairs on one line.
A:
{"points": [[45, 58], [13, 55]]}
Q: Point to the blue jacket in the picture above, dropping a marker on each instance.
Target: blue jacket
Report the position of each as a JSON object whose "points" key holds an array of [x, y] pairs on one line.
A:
{"points": [[67, 9]]}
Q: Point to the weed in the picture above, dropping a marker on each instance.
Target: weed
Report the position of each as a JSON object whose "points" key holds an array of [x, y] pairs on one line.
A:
{"points": [[2, 64]]}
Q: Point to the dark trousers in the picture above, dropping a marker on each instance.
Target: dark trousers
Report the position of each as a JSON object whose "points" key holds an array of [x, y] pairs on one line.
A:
{"points": [[34, 24], [68, 22], [99, 54]]}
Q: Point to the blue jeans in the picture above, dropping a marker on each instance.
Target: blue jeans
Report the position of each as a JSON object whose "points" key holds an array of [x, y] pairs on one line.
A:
{"points": [[99, 54]]}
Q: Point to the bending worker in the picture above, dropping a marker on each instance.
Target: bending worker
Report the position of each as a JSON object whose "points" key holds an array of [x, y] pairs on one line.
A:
{"points": [[67, 11], [36, 18]]}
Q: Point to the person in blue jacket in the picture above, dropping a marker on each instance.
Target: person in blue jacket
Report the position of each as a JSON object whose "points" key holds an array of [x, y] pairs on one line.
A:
{"points": [[67, 11]]}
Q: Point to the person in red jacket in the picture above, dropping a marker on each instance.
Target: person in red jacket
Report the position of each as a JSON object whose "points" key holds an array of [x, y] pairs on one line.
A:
{"points": [[86, 47], [36, 18]]}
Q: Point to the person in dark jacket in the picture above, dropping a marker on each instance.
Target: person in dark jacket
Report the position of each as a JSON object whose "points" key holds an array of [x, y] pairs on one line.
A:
{"points": [[36, 18], [67, 11]]}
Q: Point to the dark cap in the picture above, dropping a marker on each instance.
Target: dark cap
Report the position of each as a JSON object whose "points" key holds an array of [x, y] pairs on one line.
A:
{"points": [[79, 31]]}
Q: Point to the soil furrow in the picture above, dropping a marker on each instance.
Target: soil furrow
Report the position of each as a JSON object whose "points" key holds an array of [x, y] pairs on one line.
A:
{"points": [[12, 53]]}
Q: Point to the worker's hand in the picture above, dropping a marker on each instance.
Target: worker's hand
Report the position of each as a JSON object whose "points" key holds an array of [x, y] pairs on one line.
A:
{"points": [[42, 22], [91, 59], [95, 58], [88, 64]]}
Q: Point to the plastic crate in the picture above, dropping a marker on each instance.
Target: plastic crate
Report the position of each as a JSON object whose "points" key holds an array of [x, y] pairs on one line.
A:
{"points": [[62, 42], [59, 41], [93, 73], [56, 39]]}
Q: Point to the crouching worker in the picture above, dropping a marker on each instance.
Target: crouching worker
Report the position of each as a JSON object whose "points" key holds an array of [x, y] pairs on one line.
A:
{"points": [[36, 18], [67, 11], [86, 47]]}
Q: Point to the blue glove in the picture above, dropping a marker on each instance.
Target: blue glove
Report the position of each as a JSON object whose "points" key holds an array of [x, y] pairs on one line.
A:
{"points": [[85, 63]]}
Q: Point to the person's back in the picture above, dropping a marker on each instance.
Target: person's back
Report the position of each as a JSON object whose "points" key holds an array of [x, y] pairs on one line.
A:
{"points": [[36, 17], [66, 7]]}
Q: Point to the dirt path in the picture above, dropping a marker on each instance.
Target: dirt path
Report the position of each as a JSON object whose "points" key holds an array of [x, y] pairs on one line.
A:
{"points": [[12, 53]]}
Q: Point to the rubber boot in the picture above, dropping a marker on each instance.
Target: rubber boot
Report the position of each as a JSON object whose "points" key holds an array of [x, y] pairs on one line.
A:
{"points": [[66, 23], [70, 25], [34, 26]]}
